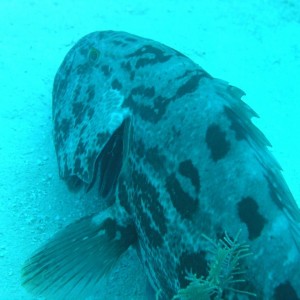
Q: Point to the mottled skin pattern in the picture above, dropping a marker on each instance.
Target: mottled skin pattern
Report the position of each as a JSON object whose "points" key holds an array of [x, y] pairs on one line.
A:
{"points": [[191, 161]]}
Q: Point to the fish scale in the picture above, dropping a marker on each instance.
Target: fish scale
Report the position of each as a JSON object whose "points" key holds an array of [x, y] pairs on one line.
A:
{"points": [[174, 153]]}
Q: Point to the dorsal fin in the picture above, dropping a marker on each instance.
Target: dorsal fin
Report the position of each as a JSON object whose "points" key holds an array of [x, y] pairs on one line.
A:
{"points": [[241, 113]]}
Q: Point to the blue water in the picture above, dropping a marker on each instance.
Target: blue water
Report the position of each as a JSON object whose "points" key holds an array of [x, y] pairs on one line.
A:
{"points": [[254, 46]]}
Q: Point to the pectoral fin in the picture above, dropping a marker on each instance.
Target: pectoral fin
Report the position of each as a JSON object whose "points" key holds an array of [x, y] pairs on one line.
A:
{"points": [[75, 259]]}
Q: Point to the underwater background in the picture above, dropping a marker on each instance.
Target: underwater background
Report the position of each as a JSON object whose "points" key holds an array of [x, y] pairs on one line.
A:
{"points": [[253, 44]]}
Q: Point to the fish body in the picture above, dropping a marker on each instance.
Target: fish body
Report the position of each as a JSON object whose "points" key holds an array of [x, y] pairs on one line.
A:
{"points": [[174, 153]]}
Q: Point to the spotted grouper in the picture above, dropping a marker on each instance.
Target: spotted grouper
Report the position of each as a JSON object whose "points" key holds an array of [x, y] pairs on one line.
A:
{"points": [[183, 171]]}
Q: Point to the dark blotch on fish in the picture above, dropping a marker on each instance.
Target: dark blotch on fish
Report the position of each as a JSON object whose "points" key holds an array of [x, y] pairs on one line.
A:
{"points": [[78, 168], [106, 70], [182, 201], [249, 214], [146, 197], [217, 142], [79, 110], [64, 128], [187, 169], [285, 292], [195, 263], [90, 93], [190, 86], [156, 56], [116, 84]]}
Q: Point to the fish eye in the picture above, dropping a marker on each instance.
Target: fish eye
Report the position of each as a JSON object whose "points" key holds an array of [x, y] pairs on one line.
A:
{"points": [[94, 54]]}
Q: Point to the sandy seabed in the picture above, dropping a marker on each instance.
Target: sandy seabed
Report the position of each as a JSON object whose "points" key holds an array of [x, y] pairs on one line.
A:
{"points": [[255, 45]]}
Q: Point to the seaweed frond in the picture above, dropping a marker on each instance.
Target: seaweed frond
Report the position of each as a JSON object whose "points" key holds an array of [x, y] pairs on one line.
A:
{"points": [[225, 270], [198, 288]]}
